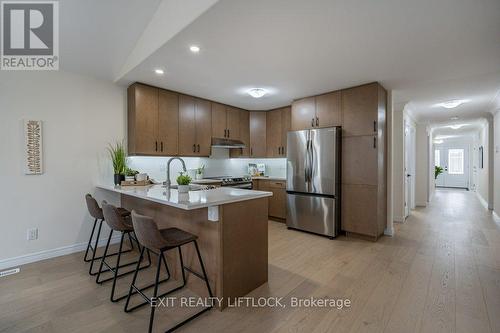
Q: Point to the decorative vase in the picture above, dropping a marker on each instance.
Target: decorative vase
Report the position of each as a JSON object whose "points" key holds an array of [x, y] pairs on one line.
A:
{"points": [[119, 178], [183, 188]]}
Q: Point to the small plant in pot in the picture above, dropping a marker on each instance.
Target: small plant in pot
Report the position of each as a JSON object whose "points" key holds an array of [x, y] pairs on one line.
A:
{"points": [[183, 183], [119, 160], [130, 173], [199, 172], [437, 171]]}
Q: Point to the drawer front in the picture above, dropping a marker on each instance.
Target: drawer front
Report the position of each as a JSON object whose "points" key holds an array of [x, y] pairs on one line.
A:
{"points": [[264, 183]]}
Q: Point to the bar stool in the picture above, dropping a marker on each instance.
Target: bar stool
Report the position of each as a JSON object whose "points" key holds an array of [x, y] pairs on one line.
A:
{"points": [[96, 212], [160, 241], [117, 222]]}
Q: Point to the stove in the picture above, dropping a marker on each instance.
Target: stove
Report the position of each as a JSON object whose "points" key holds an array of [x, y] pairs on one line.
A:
{"points": [[244, 182]]}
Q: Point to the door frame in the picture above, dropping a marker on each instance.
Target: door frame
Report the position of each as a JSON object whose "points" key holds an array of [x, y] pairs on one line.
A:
{"points": [[456, 144], [409, 167]]}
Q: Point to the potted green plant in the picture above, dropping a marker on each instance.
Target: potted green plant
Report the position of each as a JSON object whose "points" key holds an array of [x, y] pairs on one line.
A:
{"points": [[119, 160], [183, 182], [437, 171], [199, 172], [130, 173]]}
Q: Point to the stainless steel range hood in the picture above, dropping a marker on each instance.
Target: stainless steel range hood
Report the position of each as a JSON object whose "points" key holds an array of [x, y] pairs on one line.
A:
{"points": [[227, 143]]}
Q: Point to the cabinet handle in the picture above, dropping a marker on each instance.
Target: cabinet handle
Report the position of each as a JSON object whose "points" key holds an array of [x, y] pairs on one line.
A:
{"points": [[283, 150], [251, 151], [374, 125], [317, 121], [228, 135], [198, 148], [161, 146], [374, 142], [194, 148], [279, 150], [156, 145], [312, 122], [225, 133]]}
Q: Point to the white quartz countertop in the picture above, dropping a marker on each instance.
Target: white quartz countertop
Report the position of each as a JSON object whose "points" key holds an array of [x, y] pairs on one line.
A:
{"points": [[269, 178], [192, 199]]}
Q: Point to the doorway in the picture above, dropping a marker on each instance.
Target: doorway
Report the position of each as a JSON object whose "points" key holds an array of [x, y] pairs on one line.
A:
{"points": [[454, 161], [410, 166]]}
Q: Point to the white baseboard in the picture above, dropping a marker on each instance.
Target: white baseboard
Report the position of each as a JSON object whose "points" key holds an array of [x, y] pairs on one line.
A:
{"points": [[482, 201], [421, 204], [389, 232], [47, 254]]}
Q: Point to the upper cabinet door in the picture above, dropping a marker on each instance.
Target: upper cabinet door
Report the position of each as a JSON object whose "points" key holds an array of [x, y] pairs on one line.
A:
{"points": [[303, 113], [233, 122], [258, 134], [203, 119], [168, 122], [244, 135], [143, 120], [360, 110], [187, 127], [286, 114], [328, 110], [219, 128], [273, 133]]}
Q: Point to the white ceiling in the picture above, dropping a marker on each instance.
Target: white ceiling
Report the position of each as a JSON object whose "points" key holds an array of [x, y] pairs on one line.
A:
{"points": [[426, 51]]}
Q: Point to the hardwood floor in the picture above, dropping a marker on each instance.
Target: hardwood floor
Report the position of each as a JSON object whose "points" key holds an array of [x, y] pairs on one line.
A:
{"points": [[440, 273]]}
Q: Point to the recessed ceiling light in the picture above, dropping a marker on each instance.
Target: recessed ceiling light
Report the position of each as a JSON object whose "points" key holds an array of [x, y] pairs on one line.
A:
{"points": [[452, 104], [159, 71], [194, 48], [257, 92]]}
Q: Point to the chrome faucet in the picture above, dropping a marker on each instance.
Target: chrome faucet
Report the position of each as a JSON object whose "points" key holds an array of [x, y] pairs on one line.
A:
{"points": [[167, 182]]}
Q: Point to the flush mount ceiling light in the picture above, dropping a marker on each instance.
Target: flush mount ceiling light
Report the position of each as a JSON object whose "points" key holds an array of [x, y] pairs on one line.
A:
{"points": [[194, 48], [458, 126], [454, 118], [257, 92], [159, 71], [452, 104], [438, 141]]}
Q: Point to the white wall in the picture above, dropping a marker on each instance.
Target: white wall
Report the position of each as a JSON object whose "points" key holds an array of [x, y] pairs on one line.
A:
{"points": [[398, 186], [80, 117], [496, 164], [422, 165]]}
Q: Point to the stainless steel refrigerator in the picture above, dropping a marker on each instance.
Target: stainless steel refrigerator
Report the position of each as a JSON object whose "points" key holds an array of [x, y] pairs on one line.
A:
{"points": [[313, 180]]}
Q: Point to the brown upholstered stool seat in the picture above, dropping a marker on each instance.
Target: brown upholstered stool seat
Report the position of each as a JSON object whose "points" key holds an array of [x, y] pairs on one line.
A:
{"points": [[175, 237], [124, 212]]}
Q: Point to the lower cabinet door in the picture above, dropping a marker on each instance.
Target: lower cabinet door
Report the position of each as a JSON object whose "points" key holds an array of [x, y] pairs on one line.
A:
{"points": [[277, 203], [359, 209]]}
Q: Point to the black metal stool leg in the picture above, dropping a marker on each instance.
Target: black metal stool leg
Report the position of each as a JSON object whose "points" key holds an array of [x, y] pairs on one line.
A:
{"points": [[203, 269], [104, 257], [155, 293], [95, 249], [115, 275], [90, 241], [131, 243], [134, 278]]}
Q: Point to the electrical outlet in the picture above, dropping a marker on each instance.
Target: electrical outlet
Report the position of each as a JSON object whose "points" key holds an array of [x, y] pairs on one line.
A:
{"points": [[32, 234], [9, 272]]}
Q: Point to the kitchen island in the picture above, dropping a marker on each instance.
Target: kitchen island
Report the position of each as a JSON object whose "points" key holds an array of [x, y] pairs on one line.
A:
{"points": [[231, 225]]}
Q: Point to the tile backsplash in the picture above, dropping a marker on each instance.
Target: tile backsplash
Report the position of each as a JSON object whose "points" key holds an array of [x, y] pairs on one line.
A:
{"points": [[219, 164]]}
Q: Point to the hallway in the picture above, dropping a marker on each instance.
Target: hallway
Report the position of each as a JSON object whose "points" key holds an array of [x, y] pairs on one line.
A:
{"points": [[459, 256]]}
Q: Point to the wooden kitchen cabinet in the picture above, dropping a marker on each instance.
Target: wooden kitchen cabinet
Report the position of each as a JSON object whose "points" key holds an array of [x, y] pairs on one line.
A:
{"points": [[276, 203], [225, 121], [195, 126], [273, 133], [152, 121], [278, 125], [360, 110], [359, 160], [258, 134], [360, 210], [328, 110], [244, 120], [303, 113], [168, 122]]}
